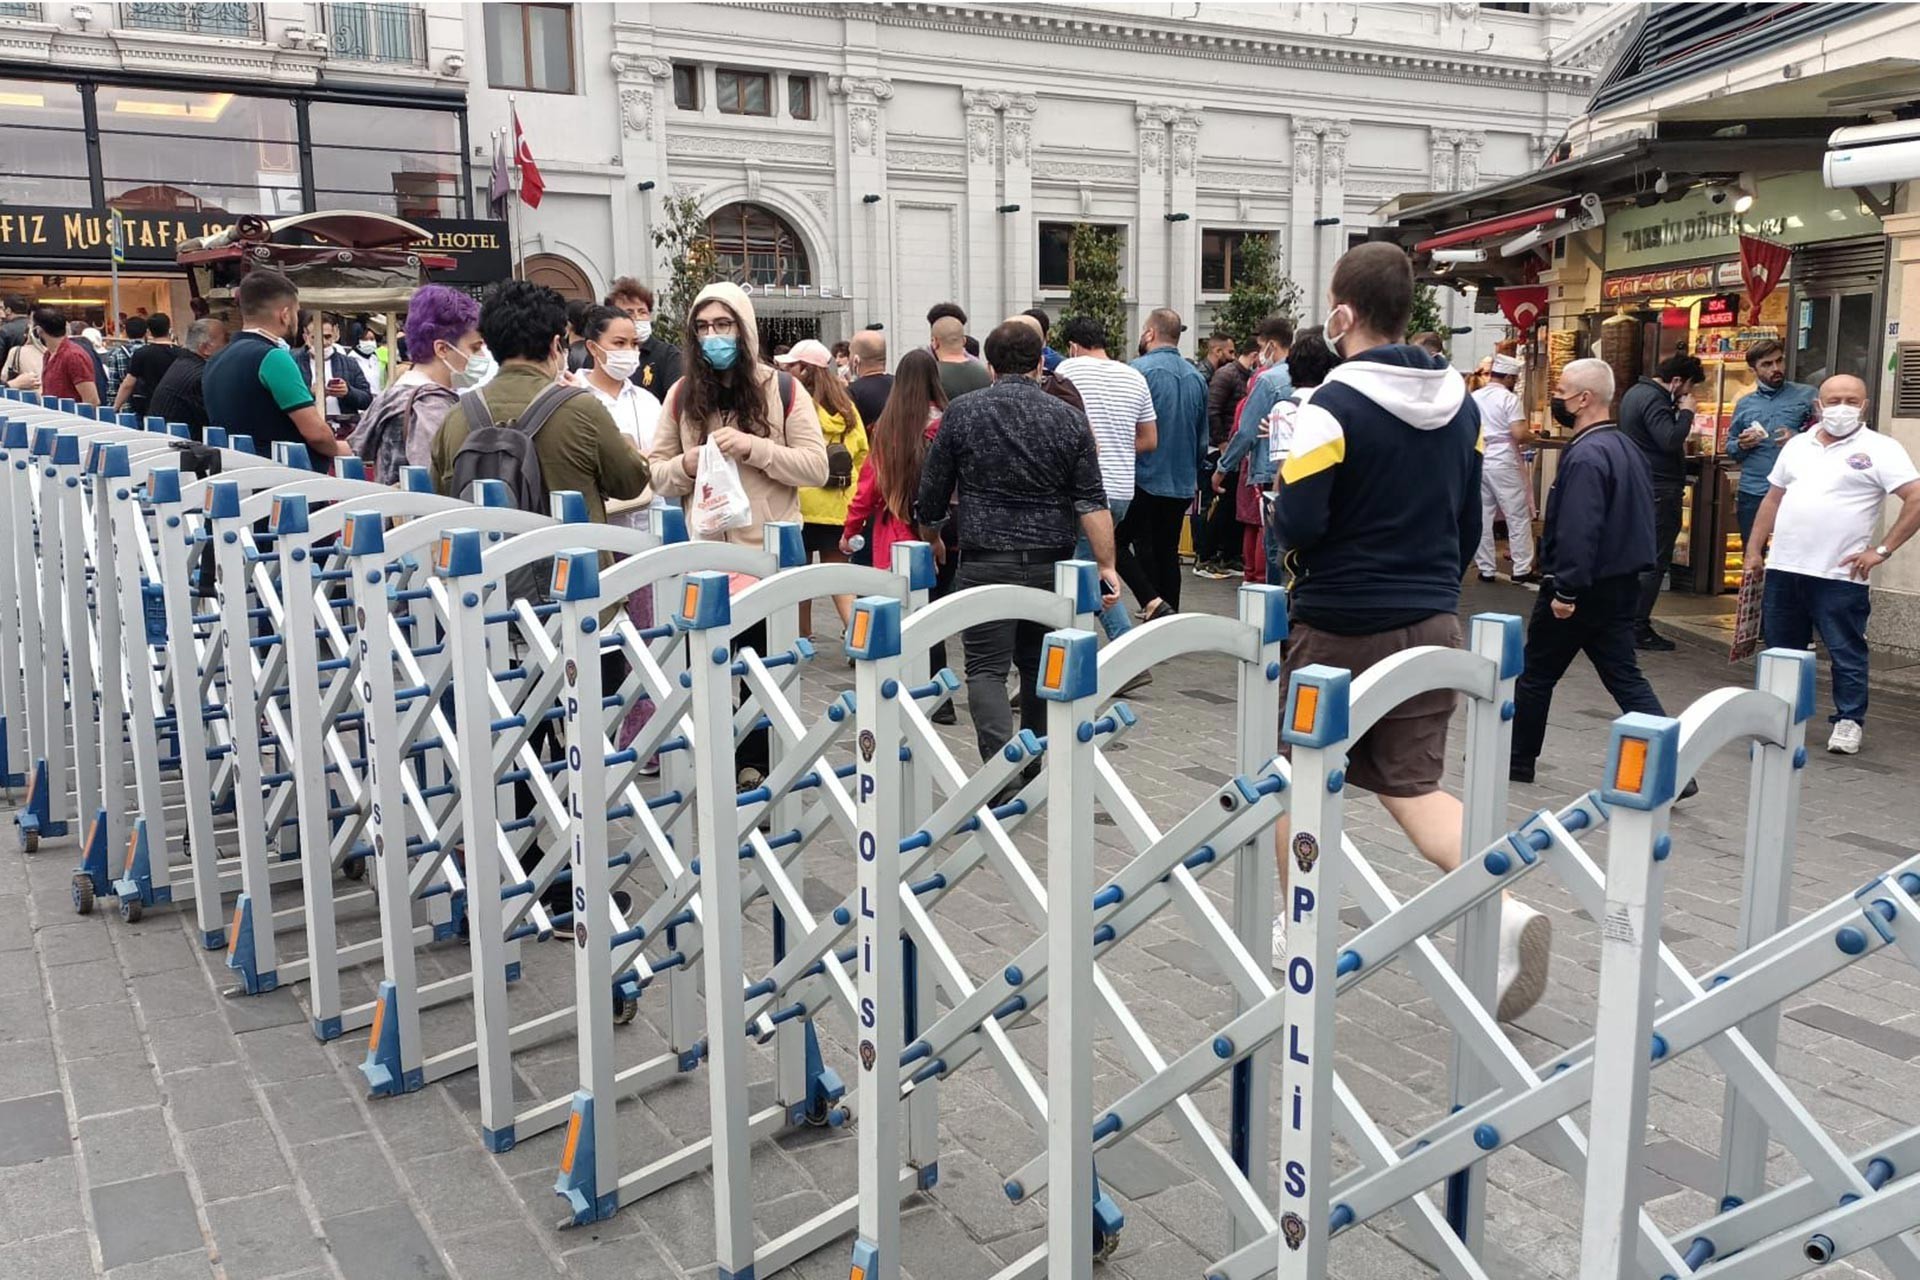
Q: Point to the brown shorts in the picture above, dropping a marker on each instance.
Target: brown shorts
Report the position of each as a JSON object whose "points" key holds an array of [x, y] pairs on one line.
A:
{"points": [[1406, 753]]}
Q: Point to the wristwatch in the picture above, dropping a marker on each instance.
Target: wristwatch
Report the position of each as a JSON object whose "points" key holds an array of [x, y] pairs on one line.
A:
{"points": [[1883, 551]]}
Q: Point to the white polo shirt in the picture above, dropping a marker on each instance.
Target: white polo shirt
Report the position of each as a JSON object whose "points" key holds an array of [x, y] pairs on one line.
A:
{"points": [[1834, 493]]}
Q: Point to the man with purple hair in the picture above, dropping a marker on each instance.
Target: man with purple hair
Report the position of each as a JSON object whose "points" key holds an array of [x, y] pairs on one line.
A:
{"points": [[449, 356]]}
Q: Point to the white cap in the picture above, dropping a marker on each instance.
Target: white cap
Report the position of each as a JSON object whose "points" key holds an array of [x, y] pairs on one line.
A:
{"points": [[807, 351], [1504, 365], [92, 335]]}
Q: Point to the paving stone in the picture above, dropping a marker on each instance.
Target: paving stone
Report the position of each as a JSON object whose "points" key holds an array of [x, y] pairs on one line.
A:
{"points": [[39, 1198], [181, 1266], [175, 993], [264, 1235], [56, 1257], [278, 1054], [60, 944], [200, 1040], [145, 1218], [23, 1016], [34, 1129], [460, 1190], [96, 1030], [507, 1250], [346, 1175], [27, 1067], [386, 1243], [114, 1082], [236, 1159], [313, 1108], [275, 1008], [131, 1144], [201, 1097], [1874, 1035], [73, 986]]}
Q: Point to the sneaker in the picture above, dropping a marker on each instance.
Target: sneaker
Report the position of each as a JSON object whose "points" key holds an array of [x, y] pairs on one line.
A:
{"points": [[1845, 739], [945, 714], [1280, 942], [650, 767], [1652, 641], [1140, 681], [1526, 948], [1689, 791], [1517, 772], [1530, 578], [1486, 577]]}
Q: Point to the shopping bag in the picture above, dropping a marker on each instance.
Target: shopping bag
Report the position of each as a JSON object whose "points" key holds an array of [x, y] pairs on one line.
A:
{"points": [[1746, 618], [720, 500]]}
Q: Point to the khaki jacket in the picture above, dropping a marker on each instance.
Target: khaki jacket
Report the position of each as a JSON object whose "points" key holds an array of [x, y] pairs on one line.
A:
{"points": [[778, 467]]}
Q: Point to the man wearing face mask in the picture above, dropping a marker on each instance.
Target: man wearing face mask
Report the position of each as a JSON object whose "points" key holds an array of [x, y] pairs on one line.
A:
{"points": [[1596, 541], [368, 357], [660, 361], [1379, 509], [1657, 414], [254, 385], [1823, 503]]}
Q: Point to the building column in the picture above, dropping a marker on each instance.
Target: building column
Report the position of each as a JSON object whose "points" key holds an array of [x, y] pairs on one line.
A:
{"points": [[1468, 167], [1333, 196], [1150, 254], [1441, 144], [863, 248], [1020, 246], [645, 88], [1896, 585], [1183, 251], [981, 279], [1305, 249]]}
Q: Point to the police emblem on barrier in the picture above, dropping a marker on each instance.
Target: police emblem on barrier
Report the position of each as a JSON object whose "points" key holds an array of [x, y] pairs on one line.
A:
{"points": [[573, 672], [1306, 851], [580, 934], [1293, 1229], [866, 745], [867, 1055]]}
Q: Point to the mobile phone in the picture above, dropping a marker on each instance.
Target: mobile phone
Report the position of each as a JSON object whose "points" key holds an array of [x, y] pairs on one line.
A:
{"points": [[1109, 587]]}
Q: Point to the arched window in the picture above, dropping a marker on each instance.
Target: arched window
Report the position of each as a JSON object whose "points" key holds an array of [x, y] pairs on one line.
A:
{"points": [[756, 246]]}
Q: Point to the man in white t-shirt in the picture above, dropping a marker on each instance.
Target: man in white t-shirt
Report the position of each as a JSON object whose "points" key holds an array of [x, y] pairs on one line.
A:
{"points": [[1503, 473], [1120, 409], [1823, 504]]}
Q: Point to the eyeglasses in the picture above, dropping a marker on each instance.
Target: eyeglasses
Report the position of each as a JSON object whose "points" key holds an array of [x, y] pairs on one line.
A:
{"points": [[723, 326]]}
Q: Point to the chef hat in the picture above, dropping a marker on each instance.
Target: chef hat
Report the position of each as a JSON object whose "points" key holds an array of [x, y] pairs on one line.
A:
{"points": [[1504, 365]]}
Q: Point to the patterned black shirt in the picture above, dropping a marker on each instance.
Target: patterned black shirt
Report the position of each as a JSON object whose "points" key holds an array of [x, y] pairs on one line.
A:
{"points": [[1024, 464]]}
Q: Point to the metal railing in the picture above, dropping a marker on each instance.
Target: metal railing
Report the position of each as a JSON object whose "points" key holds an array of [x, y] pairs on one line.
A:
{"points": [[395, 34], [232, 21], [25, 12]]}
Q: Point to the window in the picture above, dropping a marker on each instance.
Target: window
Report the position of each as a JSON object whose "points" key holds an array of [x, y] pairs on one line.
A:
{"points": [[530, 46], [46, 144], [800, 97], [389, 33], [686, 87], [755, 246], [354, 167], [743, 93], [231, 21], [1056, 252], [242, 153], [1220, 256], [1509, 6]]}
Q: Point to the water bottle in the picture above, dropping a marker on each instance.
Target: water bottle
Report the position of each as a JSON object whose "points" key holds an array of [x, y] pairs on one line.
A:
{"points": [[856, 544]]}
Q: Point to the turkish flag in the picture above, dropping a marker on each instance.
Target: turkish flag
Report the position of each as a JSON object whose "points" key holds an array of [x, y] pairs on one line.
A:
{"points": [[1762, 263], [1525, 305], [532, 185]]}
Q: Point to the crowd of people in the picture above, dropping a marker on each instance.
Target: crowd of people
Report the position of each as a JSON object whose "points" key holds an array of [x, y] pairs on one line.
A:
{"points": [[1346, 461]]}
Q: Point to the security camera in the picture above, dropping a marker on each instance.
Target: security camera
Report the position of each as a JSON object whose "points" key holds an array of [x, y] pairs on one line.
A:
{"points": [[1458, 257]]}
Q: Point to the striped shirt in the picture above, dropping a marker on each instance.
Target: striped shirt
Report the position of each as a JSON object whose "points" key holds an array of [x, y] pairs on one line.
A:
{"points": [[1117, 401]]}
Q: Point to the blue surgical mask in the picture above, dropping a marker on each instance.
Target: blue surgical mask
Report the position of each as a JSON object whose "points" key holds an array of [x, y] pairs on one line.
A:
{"points": [[720, 349]]}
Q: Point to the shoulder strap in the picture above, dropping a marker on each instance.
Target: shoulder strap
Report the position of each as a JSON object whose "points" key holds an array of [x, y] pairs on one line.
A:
{"points": [[786, 392], [479, 416], [545, 405]]}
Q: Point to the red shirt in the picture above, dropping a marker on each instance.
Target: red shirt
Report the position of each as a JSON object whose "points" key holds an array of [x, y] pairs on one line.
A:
{"points": [[65, 370]]}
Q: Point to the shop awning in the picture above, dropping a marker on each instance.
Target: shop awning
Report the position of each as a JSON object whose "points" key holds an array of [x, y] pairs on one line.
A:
{"points": [[1493, 228]]}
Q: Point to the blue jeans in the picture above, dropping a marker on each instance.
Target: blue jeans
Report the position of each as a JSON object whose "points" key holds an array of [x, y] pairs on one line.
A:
{"points": [[1796, 605], [1113, 619], [1745, 507]]}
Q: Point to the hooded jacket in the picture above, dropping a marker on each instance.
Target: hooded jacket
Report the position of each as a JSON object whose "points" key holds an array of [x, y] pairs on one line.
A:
{"points": [[1379, 502], [778, 466]]}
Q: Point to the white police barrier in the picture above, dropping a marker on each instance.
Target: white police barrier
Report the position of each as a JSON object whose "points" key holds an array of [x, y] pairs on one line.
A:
{"points": [[699, 907]]}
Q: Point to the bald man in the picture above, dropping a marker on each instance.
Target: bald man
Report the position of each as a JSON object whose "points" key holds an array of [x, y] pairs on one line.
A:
{"points": [[871, 384], [959, 372], [1823, 504]]}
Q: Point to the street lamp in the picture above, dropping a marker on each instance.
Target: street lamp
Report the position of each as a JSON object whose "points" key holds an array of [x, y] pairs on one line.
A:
{"points": [[1178, 217], [1006, 208], [870, 199]]}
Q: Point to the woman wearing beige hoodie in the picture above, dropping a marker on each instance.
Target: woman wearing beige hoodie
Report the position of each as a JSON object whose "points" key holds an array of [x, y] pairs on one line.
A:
{"points": [[727, 394]]}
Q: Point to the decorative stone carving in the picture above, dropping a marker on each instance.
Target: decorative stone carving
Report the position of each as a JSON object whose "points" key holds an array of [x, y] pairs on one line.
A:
{"points": [[1084, 171], [780, 151], [1186, 143], [1306, 156], [1086, 199], [861, 88], [1469, 161], [863, 128], [1240, 179], [821, 200], [982, 106], [625, 64], [753, 180], [1333, 154], [1019, 137], [924, 160], [636, 111]]}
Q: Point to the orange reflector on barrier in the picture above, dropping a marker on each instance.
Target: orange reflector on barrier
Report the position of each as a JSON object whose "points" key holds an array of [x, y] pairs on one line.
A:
{"points": [[233, 930], [862, 622], [1056, 667], [1306, 707], [573, 1143], [561, 568], [690, 601], [1631, 771], [444, 553], [133, 847], [858, 1273]]}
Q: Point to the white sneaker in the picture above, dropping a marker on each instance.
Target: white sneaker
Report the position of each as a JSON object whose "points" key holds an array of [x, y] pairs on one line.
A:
{"points": [[1280, 942], [1526, 949], [1845, 739]]}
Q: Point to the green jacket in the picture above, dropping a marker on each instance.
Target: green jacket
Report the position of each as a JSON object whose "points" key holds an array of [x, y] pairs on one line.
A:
{"points": [[580, 448]]}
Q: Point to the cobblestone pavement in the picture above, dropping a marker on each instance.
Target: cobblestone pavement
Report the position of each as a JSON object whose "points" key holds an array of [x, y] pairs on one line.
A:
{"points": [[151, 1125]]}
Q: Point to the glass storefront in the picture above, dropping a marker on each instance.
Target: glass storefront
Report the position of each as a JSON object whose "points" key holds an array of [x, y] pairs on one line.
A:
{"points": [[356, 165], [43, 144], [88, 298]]}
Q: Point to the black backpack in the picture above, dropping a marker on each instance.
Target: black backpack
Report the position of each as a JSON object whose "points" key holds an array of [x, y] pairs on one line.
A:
{"points": [[505, 452]]}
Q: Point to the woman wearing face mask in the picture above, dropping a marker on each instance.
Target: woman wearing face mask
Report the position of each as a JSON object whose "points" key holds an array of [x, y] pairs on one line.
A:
{"points": [[366, 354], [398, 428], [763, 420]]}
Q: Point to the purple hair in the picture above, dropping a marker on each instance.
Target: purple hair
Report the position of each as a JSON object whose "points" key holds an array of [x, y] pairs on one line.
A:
{"points": [[437, 313]]}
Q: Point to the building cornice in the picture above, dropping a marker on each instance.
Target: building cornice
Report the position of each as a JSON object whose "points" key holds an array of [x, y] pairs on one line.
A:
{"points": [[1044, 23]]}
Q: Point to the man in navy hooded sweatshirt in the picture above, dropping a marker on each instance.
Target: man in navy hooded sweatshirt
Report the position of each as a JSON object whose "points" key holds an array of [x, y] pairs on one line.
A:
{"points": [[1379, 508]]}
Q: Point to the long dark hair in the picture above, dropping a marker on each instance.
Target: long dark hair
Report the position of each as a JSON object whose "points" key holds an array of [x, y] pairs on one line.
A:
{"points": [[829, 393], [899, 438], [704, 394]]}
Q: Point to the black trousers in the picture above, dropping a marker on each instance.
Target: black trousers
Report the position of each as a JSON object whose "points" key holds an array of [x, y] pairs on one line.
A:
{"points": [[1602, 628], [1666, 531], [991, 646], [1217, 536], [1147, 547]]}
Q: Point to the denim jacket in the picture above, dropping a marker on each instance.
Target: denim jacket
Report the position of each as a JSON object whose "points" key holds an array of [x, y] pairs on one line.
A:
{"points": [[1791, 406], [1271, 387]]}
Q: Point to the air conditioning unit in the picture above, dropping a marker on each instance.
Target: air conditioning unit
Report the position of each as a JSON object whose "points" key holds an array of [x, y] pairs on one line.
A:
{"points": [[1863, 155]]}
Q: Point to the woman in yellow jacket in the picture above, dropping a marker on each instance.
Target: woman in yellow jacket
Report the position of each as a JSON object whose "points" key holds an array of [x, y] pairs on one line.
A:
{"points": [[823, 510]]}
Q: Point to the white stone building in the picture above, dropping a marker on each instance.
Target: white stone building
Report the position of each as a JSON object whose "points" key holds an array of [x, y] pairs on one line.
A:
{"points": [[879, 158]]}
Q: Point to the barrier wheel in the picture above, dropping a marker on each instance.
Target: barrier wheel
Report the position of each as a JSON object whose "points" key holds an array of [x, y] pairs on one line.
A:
{"points": [[355, 869], [624, 1009], [83, 893], [1109, 1245], [131, 909], [29, 841]]}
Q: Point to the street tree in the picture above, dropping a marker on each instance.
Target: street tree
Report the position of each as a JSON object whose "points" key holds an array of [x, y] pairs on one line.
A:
{"points": [[1258, 291], [1095, 288], [692, 265]]}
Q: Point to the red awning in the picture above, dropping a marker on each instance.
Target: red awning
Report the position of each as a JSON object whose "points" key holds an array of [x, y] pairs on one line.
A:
{"points": [[1505, 225]]}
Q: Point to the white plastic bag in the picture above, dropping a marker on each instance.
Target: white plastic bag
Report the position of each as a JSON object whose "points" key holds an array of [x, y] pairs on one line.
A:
{"points": [[720, 500]]}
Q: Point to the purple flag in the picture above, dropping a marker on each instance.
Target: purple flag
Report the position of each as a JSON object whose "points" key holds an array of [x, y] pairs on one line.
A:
{"points": [[499, 189]]}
